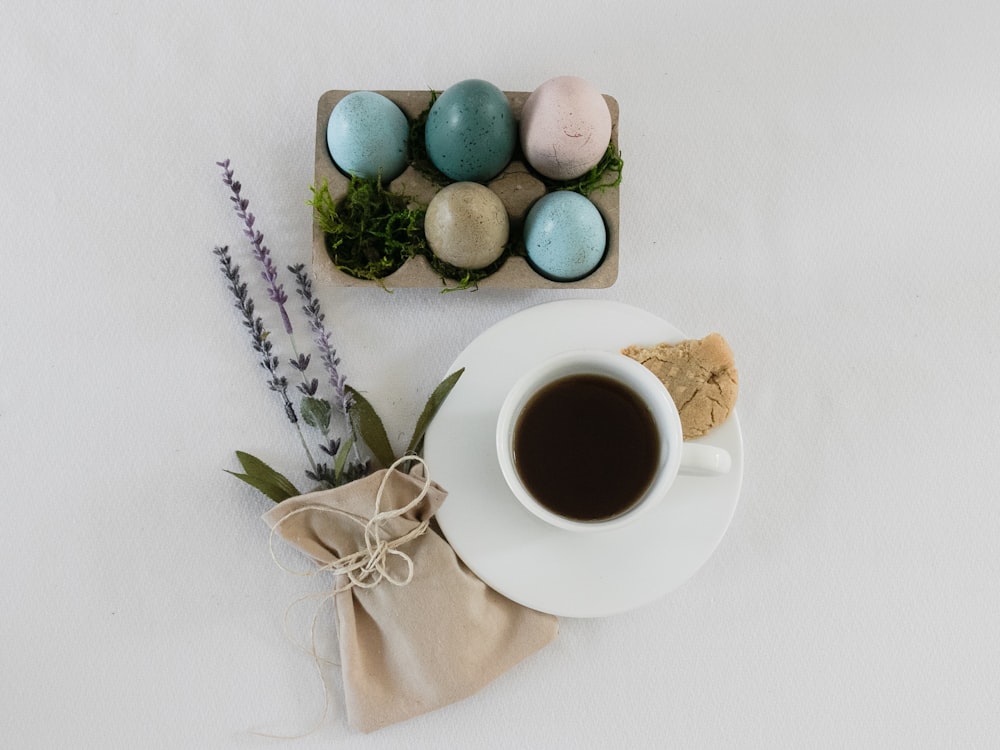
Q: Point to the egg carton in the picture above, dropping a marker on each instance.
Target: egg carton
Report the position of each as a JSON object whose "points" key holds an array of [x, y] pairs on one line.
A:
{"points": [[516, 186]]}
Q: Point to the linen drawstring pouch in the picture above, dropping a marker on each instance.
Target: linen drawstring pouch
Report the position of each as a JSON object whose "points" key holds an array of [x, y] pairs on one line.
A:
{"points": [[416, 629]]}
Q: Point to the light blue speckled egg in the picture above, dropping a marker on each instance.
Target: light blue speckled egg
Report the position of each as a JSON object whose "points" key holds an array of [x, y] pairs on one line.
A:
{"points": [[471, 132], [565, 236], [367, 136]]}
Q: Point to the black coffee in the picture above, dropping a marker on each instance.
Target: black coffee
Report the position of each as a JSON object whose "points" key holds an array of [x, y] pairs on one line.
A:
{"points": [[586, 447]]}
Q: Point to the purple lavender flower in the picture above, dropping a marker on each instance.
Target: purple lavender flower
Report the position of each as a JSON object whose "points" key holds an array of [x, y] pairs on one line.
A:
{"points": [[258, 334], [275, 291], [328, 355]]}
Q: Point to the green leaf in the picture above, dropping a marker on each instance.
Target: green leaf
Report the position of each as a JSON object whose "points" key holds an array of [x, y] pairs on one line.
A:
{"points": [[255, 467], [341, 460], [316, 413], [367, 424], [270, 490], [262, 477], [430, 409]]}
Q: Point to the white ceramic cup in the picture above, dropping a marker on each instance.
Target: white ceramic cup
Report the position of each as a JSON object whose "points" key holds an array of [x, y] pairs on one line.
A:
{"points": [[675, 456]]}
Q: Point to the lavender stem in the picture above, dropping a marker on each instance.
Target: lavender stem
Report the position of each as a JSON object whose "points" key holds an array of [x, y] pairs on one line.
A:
{"points": [[269, 272], [321, 336], [275, 291], [260, 338], [328, 355]]}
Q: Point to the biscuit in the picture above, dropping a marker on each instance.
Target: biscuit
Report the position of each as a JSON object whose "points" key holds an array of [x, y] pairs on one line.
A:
{"points": [[700, 375]]}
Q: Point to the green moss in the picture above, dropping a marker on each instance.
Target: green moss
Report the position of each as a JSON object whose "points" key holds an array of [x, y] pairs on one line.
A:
{"points": [[607, 174], [419, 159], [464, 278], [370, 232]]}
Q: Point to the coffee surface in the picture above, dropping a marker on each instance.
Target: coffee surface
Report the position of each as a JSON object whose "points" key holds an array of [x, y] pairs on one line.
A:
{"points": [[586, 447]]}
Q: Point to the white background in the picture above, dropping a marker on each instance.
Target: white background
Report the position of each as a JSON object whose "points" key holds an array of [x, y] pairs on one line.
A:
{"points": [[818, 181]]}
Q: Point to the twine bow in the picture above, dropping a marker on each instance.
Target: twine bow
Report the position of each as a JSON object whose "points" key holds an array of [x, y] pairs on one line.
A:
{"points": [[369, 566]]}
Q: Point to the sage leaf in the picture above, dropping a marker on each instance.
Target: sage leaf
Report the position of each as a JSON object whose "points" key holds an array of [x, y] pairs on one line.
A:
{"points": [[430, 409], [316, 413], [255, 467], [367, 424], [263, 478], [268, 489]]}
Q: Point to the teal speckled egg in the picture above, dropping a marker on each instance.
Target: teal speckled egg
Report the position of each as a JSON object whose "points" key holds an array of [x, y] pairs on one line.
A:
{"points": [[565, 236], [367, 135], [471, 132]]}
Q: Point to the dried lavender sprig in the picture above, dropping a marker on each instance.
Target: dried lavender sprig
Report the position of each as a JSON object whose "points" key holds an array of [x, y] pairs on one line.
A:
{"points": [[275, 291], [328, 355], [259, 336]]}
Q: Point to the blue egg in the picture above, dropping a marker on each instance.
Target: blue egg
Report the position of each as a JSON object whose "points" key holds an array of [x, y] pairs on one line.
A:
{"points": [[471, 132], [565, 236], [367, 136]]}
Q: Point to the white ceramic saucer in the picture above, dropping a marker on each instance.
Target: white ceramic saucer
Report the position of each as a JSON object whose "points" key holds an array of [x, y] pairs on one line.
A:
{"points": [[551, 570]]}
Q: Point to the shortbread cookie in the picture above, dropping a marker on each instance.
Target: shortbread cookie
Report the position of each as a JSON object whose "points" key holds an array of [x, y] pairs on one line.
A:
{"points": [[700, 375]]}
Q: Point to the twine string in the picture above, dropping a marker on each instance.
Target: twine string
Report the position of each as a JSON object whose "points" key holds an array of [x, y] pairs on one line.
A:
{"points": [[366, 568]]}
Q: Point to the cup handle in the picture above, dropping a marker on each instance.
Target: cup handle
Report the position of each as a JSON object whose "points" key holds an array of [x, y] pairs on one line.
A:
{"points": [[705, 460]]}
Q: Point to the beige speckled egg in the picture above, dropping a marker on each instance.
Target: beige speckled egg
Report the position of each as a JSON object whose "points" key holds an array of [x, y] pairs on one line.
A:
{"points": [[565, 127], [466, 225]]}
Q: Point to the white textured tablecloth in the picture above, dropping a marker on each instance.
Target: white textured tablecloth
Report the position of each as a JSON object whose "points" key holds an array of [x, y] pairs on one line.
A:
{"points": [[818, 181]]}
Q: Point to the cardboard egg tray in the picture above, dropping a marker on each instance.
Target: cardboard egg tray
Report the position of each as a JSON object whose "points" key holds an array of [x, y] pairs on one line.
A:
{"points": [[516, 186]]}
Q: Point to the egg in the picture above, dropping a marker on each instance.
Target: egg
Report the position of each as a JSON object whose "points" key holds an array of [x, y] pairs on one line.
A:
{"points": [[470, 132], [565, 128], [565, 236], [466, 225], [367, 135]]}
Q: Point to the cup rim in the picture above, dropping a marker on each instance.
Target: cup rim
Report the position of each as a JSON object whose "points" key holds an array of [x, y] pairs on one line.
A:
{"points": [[603, 362]]}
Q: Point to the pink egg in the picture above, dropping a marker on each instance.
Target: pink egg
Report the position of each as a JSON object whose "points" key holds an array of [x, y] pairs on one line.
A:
{"points": [[565, 127]]}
